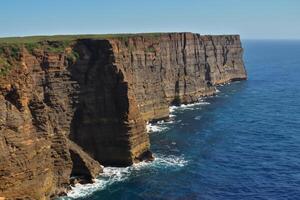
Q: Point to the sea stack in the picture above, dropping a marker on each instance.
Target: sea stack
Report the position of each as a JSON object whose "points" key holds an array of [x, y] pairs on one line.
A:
{"points": [[70, 104]]}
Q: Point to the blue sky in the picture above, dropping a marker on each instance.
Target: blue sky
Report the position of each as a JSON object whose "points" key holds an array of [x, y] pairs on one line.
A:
{"points": [[256, 19]]}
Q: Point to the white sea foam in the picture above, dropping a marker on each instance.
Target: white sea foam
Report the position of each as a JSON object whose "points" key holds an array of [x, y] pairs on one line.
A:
{"points": [[197, 117], [155, 128], [160, 122], [172, 115], [173, 108], [159, 126], [112, 175], [109, 176], [193, 105], [190, 106], [169, 161]]}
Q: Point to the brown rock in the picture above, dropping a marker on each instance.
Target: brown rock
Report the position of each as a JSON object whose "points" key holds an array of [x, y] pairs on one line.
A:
{"points": [[61, 116]]}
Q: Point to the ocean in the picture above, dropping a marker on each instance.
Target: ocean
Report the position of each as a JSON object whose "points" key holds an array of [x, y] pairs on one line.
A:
{"points": [[243, 143]]}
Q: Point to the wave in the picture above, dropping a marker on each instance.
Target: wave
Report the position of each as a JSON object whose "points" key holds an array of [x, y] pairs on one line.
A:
{"points": [[113, 175], [198, 117], [162, 125], [170, 161], [173, 108], [172, 115], [226, 83], [190, 106], [159, 126], [156, 127]]}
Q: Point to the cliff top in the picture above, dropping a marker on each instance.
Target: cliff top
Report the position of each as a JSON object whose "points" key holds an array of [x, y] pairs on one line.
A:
{"points": [[10, 47], [35, 39]]}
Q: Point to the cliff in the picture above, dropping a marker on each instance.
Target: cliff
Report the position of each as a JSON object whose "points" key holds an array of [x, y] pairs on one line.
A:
{"points": [[69, 103]]}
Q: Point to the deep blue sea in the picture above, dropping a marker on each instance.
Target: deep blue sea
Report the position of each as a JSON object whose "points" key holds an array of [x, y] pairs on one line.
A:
{"points": [[243, 143]]}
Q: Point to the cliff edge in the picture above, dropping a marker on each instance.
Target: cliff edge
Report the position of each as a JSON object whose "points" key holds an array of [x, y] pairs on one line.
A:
{"points": [[71, 103]]}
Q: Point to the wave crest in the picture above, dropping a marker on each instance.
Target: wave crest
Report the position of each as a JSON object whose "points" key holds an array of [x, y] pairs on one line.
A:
{"points": [[113, 175], [191, 106]]}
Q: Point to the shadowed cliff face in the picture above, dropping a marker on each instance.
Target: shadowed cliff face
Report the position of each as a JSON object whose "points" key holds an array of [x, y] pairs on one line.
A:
{"points": [[62, 117], [106, 122]]}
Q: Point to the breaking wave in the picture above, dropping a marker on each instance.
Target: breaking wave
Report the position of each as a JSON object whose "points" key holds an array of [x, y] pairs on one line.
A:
{"points": [[157, 127], [191, 106], [113, 175], [154, 128], [162, 126]]}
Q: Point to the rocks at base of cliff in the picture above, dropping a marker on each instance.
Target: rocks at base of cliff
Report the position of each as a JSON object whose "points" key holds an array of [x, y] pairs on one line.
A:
{"points": [[84, 167], [147, 156]]}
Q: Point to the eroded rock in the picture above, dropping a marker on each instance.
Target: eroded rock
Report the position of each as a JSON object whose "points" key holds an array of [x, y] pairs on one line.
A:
{"points": [[62, 115]]}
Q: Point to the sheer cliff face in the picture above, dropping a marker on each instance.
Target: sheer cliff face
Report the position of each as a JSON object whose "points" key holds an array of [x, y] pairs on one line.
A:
{"points": [[107, 122], [177, 68], [62, 117]]}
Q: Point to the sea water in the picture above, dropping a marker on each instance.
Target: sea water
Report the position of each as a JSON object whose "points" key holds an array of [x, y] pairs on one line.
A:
{"points": [[243, 143]]}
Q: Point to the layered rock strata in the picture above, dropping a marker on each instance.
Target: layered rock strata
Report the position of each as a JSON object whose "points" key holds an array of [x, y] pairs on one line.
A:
{"points": [[62, 117]]}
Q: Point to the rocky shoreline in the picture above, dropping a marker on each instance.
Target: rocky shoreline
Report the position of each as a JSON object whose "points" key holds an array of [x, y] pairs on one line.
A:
{"points": [[70, 105]]}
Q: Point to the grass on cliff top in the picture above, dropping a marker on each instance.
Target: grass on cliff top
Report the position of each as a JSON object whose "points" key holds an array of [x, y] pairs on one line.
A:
{"points": [[4, 67], [35, 39]]}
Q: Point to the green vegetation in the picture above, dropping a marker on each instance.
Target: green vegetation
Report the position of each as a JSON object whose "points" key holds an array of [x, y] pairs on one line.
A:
{"points": [[58, 43], [8, 53], [72, 57], [4, 67], [57, 47], [11, 47], [11, 50], [35, 39], [15, 51], [49, 46], [32, 46]]}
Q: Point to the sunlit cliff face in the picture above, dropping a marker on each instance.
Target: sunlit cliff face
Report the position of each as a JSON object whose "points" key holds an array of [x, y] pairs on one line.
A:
{"points": [[66, 109]]}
